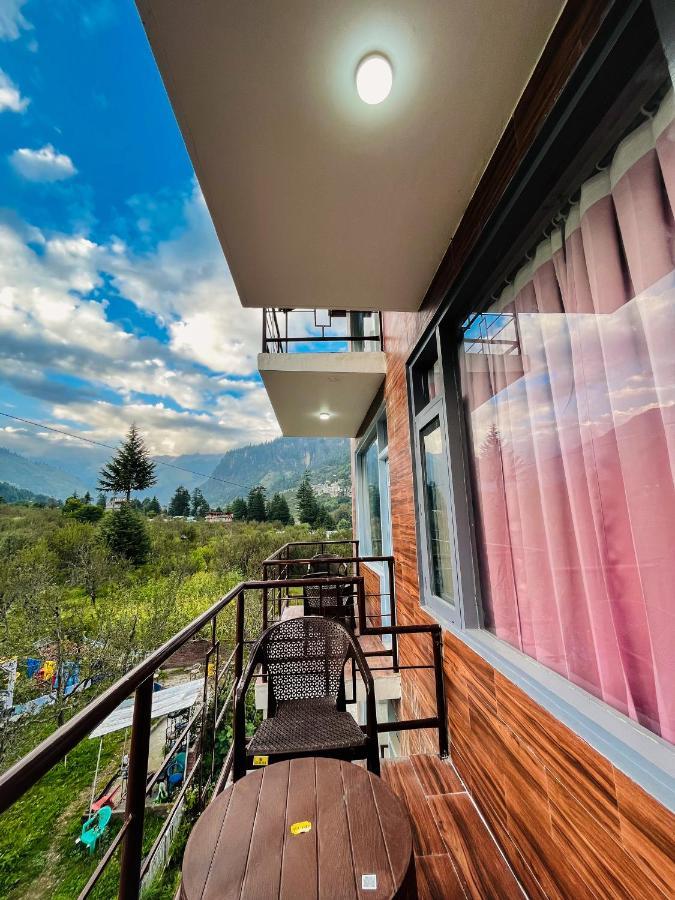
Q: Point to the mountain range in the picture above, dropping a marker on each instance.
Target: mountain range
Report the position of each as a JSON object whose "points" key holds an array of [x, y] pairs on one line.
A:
{"points": [[278, 465]]}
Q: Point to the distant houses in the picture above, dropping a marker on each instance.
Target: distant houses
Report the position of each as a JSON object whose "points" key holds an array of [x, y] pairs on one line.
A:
{"points": [[115, 502], [224, 518], [331, 489]]}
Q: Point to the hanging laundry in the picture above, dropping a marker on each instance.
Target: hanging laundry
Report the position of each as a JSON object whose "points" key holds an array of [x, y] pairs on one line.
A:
{"points": [[32, 667], [48, 670]]}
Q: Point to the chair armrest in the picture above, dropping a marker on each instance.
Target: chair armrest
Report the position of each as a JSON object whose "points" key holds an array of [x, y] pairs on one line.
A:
{"points": [[362, 664]]}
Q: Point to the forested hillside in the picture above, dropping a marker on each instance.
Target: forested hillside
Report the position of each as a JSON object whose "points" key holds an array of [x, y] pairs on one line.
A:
{"points": [[40, 478], [278, 465], [11, 494]]}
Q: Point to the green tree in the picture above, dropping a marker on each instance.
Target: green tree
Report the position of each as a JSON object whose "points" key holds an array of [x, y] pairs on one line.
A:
{"points": [[130, 469], [256, 504], [74, 508], [239, 509], [278, 511], [100, 500], [200, 505], [125, 534], [308, 507], [151, 507], [180, 502], [323, 518]]}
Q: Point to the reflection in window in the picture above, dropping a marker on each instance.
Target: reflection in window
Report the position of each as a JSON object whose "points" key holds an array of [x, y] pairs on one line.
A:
{"points": [[434, 469], [372, 486], [569, 383]]}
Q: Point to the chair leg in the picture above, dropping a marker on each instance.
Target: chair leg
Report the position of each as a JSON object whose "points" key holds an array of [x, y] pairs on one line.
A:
{"points": [[373, 757]]}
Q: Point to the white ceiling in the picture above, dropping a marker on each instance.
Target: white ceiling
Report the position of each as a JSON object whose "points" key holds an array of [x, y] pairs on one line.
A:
{"points": [[303, 385], [320, 200]]}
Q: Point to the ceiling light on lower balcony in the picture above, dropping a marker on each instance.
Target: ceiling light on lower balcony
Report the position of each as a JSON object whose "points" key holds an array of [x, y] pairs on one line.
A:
{"points": [[324, 416], [374, 78]]}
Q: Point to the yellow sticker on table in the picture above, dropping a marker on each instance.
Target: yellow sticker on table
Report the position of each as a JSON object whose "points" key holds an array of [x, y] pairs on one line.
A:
{"points": [[301, 827], [260, 760]]}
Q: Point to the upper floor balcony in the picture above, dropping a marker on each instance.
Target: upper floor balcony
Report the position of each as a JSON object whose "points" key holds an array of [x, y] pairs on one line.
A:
{"points": [[321, 368]]}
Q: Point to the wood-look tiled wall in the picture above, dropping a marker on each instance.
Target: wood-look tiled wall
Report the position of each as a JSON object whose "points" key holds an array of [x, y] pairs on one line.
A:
{"points": [[570, 824]]}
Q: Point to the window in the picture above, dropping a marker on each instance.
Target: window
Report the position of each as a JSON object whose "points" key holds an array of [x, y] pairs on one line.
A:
{"points": [[568, 382], [371, 484], [373, 490], [435, 514]]}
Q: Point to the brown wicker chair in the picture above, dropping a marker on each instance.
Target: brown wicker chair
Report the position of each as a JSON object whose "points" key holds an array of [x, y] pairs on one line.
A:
{"points": [[304, 661], [334, 601]]}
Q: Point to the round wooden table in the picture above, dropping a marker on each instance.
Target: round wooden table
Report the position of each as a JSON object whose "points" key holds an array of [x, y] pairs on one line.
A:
{"points": [[358, 843]]}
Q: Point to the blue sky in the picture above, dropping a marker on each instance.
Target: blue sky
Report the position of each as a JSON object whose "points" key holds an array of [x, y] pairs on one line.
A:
{"points": [[116, 303]]}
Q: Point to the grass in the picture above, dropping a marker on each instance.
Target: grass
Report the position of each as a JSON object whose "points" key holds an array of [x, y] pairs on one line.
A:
{"points": [[38, 853]]}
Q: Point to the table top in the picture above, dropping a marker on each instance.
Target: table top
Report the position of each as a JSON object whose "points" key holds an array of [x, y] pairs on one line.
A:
{"points": [[243, 845]]}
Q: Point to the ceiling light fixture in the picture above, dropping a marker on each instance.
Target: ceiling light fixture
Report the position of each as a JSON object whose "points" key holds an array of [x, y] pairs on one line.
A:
{"points": [[374, 78], [324, 416]]}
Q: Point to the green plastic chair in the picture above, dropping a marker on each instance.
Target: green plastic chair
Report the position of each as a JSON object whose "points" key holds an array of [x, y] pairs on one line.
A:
{"points": [[94, 827]]}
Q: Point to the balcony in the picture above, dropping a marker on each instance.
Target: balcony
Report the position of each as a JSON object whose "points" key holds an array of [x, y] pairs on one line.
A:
{"points": [[453, 850], [322, 369]]}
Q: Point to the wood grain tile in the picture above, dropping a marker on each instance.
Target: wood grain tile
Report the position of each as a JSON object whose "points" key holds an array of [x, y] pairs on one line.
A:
{"points": [[529, 821], [607, 869], [588, 776], [436, 776], [402, 779], [479, 863], [647, 833], [530, 884], [437, 879]]}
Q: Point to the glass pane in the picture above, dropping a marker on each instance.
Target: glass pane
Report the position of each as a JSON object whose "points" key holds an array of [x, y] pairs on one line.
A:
{"points": [[569, 384], [372, 486], [436, 491], [434, 381]]}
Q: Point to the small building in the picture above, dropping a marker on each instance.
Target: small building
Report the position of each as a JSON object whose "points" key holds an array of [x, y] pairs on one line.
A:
{"points": [[225, 518], [115, 502]]}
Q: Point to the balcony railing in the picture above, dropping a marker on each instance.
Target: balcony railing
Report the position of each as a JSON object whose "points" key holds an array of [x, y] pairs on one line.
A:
{"points": [[252, 605], [318, 330]]}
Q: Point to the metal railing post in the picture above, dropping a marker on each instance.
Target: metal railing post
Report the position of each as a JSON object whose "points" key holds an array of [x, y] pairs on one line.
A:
{"points": [[392, 614], [437, 638], [132, 850]]}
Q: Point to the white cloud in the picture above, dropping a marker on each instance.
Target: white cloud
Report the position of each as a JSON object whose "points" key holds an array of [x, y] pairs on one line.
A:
{"points": [[10, 96], [51, 325], [12, 20], [45, 164], [186, 285]]}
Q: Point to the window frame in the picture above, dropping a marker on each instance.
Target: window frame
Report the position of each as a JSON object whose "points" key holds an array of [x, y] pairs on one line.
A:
{"points": [[374, 434]]}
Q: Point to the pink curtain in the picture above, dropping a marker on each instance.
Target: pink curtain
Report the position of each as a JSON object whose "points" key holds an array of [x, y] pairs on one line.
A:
{"points": [[569, 380]]}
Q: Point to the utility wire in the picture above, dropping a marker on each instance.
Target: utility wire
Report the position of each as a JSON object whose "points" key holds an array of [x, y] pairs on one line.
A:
{"points": [[158, 462]]}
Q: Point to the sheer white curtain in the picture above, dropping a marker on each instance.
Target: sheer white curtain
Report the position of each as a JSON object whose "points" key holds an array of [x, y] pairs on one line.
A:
{"points": [[569, 379]]}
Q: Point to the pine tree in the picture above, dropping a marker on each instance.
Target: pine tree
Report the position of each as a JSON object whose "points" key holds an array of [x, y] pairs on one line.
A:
{"points": [[154, 506], [256, 505], [278, 511], [200, 505], [124, 532], [308, 507], [239, 509], [130, 469], [100, 500], [323, 518], [180, 502]]}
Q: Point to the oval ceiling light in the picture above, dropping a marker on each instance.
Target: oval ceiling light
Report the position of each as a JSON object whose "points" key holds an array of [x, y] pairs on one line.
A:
{"points": [[374, 78], [324, 416]]}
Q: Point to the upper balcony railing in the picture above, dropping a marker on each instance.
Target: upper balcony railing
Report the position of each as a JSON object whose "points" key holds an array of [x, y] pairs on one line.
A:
{"points": [[321, 330]]}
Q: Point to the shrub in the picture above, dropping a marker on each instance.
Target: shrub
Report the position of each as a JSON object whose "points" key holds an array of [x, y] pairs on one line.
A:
{"points": [[125, 534]]}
